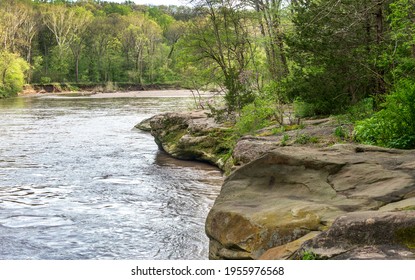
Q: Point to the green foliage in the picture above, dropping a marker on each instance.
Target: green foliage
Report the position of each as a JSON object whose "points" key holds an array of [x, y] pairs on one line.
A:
{"points": [[342, 132], [335, 51], [304, 139], [275, 90], [220, 40], [361, 110], [163, 19], [358, 112], [309, 255], [12, 73], [304, 109], [238, 94], [255, 116], [114, 8], [402, 53], [329, 58], [59, 64], [285, 139], [393, 126]]}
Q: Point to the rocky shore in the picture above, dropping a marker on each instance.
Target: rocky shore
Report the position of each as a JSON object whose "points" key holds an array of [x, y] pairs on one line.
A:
{"points": [[298, 199]]}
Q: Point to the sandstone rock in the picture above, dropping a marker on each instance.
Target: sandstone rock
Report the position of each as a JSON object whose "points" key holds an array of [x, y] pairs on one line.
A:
{"points": [[250, 148], [281, 194], [405, 204], [287, 250], [366, 235], [144, 125], [192, 136], [292, 191]]}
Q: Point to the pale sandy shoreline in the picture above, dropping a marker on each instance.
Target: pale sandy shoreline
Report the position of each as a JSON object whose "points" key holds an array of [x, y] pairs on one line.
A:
{"points": [[120, 94]]}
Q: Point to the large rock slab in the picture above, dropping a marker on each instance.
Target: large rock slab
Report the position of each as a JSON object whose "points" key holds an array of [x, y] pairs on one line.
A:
{"points": [[292, 191], [365, 235]]}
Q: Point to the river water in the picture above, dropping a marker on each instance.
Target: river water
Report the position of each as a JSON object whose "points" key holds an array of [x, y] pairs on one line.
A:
{"points": [[78, 182]]}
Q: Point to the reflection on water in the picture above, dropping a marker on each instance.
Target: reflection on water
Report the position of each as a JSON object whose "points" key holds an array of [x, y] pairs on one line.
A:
{"points": [[77, 182]]}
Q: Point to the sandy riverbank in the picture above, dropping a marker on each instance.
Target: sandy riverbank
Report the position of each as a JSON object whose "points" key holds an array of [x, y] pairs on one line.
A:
{"points": [[121, 94]]}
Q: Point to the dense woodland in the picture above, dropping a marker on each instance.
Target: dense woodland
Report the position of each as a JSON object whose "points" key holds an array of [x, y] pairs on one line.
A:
{"points": [[350, 57]]}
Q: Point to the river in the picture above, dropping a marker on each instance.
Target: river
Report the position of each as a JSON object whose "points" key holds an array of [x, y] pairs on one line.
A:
{"points": [[78, 182]]}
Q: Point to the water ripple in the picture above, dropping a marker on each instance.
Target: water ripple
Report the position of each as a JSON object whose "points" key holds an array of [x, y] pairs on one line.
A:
{"points": [[76, 182]]}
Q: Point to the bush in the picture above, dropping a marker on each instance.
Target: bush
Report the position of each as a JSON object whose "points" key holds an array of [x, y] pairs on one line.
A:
{"points": [[360, 111], [304, 109], [317, 92], [393, 126], [304, 139], [12, 73], [341, 132], [256, 115]]}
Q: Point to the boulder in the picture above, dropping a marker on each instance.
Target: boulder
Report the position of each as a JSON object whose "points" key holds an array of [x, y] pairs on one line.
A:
{"points": [[290, 192], [365, 235], [193, 136]]}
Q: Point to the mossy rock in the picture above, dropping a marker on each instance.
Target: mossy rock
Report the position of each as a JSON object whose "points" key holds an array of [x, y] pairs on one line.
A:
{"points": [[193, 136], [406, 236]]}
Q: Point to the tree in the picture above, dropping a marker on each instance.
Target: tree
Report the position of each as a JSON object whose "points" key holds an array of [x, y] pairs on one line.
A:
{"points": [[222, 35], [12, 15], [401, 54], [12, 73], [139, 43], [28, 30], [270, 22], [76, 43], [336, 48], [68, 25], [162, 19], [173, 33], [103, 43]]}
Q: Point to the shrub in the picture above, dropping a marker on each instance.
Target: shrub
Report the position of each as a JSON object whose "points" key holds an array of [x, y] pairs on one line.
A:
{"points": [[393, 126], [304, 139], [361, 110], [341, 132], [285, 139], [304, 109], [12, 73], [256, 115], [309, 255]]}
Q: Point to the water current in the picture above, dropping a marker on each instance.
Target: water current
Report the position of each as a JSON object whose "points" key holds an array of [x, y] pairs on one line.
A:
{"points": [[78, 182]]}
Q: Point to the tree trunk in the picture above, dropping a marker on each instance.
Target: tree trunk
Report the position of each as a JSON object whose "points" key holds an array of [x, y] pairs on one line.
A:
{"points": [[379, 23], [380, 87], [4, 76], [171, 52], [77, 68]]}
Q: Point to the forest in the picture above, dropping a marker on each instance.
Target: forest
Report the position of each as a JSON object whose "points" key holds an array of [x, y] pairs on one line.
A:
{"points": [[354, 58]]}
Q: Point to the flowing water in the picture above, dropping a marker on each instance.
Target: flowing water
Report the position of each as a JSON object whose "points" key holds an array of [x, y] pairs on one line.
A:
{"points": [[78, 182]]}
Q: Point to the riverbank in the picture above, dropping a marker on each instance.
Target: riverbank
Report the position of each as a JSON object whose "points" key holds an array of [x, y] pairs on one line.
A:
{"points": [[95, 87], [287, 192], [165, 93]]}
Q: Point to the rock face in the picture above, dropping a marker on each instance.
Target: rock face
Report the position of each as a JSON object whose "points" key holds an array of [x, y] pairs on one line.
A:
{"points": [[291, 192], [192, 136]]}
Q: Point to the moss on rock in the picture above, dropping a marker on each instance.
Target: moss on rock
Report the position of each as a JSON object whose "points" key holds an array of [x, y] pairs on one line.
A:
{"points": [[194, 136], [406, 236]]}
